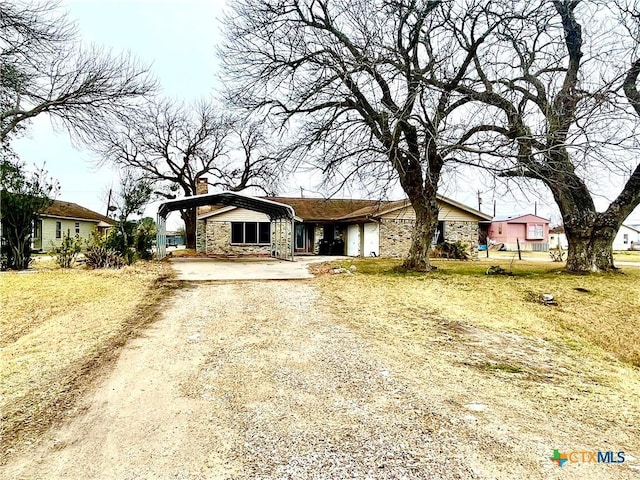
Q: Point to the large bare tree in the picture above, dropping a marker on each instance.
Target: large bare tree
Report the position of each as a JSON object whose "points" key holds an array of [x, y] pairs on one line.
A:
{"points": [[552, 110], [364, 88], [175, 145], [44, 70]]}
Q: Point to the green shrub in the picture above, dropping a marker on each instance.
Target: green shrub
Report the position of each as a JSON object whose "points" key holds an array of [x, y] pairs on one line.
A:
{"points": [[65, 255]]}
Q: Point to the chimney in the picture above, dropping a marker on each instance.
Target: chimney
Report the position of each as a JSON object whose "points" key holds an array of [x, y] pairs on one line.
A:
{"points": [[202, 187]]}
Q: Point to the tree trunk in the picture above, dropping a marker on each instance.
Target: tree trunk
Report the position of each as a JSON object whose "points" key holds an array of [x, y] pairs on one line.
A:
{"points": [[190, 218], [423, 232], [592, 252]]}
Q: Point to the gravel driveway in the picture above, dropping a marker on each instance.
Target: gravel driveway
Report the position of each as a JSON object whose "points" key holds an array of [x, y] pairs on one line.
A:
{"points": [[256, 380]]}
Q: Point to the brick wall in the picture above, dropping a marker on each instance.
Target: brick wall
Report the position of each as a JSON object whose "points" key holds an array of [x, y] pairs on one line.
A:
{"points": [[395, 236]]}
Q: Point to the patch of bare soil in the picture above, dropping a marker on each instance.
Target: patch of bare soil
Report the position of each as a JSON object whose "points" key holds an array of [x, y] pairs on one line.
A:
{"points": [[260, 380]]}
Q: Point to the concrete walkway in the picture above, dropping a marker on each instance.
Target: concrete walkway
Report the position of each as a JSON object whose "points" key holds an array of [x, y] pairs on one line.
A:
{"points": [[203, 269]]}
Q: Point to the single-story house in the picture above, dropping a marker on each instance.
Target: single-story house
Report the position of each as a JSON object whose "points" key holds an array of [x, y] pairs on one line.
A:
{"points": [[66, 218], [557, 238], [174, 238], [529, 231], [333, 226], [627, 238]]}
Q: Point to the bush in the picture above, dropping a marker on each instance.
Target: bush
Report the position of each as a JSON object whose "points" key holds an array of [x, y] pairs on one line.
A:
{"points": [[456, 250], [100, 254], [65, 255]]}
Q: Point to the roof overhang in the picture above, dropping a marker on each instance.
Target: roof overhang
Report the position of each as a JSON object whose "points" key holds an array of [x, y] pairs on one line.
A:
{"points": [[273, 209]]}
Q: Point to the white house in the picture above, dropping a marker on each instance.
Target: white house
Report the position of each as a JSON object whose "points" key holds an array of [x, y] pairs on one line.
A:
{"points": [[627, 238]]}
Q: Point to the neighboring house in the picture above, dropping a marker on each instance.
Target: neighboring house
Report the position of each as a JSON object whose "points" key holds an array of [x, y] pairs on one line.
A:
{"points": [[65, 217], [627, 238], [174, 239], [557, 238], [333, 226], [530, 231]]}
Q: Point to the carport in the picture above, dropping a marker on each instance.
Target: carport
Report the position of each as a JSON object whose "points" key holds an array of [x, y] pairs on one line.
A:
{"points": [[282, 218]]}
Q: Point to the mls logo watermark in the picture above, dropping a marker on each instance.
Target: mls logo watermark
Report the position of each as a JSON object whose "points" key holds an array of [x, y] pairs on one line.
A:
{"points": [[586, 457]]}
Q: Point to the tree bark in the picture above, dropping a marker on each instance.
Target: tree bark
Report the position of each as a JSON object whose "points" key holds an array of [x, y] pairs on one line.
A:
{"points": [[423, 232], [189, 217], [592, 253]]}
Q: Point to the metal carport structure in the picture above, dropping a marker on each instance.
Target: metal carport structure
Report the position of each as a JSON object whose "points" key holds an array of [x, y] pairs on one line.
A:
{"points": [[277, 212]]}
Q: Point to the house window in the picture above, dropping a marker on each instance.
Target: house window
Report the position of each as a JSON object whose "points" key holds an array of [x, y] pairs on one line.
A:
{"points": [[77, 228], [58, 229], [499, 229], [625, 238], [250, 233], [535, 231]]}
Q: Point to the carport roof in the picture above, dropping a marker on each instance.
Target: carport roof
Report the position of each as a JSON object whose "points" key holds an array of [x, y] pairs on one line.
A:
{"points": [[275, 210]]}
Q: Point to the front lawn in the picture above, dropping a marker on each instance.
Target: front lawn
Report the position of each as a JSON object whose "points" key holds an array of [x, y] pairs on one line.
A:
{"points": [[57, 326]]}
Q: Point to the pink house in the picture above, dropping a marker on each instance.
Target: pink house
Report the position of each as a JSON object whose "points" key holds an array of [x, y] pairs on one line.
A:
{"points": [[531, 231]]}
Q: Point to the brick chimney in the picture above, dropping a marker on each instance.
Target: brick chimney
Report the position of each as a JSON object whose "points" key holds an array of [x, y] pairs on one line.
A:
{"points": [[202, 187]]}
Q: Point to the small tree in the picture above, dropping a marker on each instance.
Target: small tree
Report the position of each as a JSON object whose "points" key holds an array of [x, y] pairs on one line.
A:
{"points": [[22, 197], [66, 254]]}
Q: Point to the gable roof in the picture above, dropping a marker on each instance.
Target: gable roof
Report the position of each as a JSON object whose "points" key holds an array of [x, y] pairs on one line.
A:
{"points": [[341, 209], [73, 211], [383, 208], [515, 218], [323, 209], [637, 230]]}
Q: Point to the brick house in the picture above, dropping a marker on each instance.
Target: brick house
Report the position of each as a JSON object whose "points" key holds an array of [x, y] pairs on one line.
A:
{"points": [[333, 226]]}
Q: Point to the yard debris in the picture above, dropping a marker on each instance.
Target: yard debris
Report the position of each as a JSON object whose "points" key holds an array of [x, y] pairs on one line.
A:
{"points": [[497, 270], [547, 299], [339, 270]]}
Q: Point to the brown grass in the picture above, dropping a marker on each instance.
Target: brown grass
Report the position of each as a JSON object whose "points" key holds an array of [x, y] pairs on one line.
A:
{"points": [[599, 310], [57, 325], [567, 372]]}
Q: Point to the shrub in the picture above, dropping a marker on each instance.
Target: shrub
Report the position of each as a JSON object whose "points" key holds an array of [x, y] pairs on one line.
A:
{"points": [[100, 254], [456, 250], [65, 255]]}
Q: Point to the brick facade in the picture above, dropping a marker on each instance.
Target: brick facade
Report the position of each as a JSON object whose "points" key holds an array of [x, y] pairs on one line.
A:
{"points": [[395, 236]]}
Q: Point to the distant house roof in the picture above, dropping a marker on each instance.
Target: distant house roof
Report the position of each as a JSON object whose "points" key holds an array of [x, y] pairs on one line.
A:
{"points": [[517, 218], [637, 230], [558, 229], [73, 211], [336, 209]]}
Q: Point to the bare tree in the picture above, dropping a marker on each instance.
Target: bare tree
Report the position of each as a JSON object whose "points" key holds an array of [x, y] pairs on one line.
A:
{"points": [[174, 145], [44, 70], [366, 89], [551, 110]]}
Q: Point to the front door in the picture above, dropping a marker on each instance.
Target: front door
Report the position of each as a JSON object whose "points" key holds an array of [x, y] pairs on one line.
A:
{"points": [[304, 238]]}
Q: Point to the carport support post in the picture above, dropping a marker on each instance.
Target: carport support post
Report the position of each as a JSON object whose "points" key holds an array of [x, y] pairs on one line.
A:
{"points": [[161, 237], [293, 233]]}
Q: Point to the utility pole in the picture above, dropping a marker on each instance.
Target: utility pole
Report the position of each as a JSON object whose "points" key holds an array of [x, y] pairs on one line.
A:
{"points": [[109, 203], [479, 201], [494, 209], [535, 208], [301, 192]]}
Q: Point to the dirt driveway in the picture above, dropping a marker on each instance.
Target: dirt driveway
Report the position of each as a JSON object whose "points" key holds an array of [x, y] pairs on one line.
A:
{"points": [[258, 380]]}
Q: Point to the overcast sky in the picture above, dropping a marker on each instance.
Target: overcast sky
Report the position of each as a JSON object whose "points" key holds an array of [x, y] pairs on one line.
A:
{"points": [[178, 40]]}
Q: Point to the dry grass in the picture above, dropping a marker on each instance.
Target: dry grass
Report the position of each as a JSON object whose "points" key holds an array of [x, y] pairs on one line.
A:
{"points": [[552, 375], [57, 325], [597, 310]]}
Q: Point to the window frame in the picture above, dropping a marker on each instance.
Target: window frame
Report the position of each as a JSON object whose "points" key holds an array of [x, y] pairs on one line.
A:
{"points": [[259, 239], [537, 233], [77, 228], [58, 230]]}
